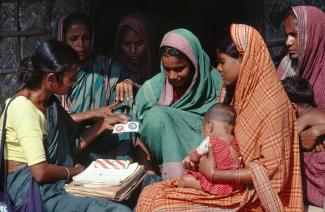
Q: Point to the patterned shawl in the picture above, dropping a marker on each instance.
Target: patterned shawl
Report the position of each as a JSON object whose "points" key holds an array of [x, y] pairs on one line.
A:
{"points": [[141, 27], [96, 78], [266, 125], [311, 51]]}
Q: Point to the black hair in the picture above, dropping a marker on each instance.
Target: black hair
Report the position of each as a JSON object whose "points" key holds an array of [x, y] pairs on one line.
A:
{"points": [[225, 44], [171, 51], [221, 112], [299, 90], [77, 18], [50, 56], [290, 12]]}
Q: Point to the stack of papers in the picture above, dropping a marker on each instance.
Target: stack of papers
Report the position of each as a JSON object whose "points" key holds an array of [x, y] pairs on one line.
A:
{"points": [[111, 179]]}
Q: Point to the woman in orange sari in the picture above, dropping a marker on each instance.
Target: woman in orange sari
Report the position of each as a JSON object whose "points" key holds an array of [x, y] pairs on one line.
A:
{"points": [[266, 130]]}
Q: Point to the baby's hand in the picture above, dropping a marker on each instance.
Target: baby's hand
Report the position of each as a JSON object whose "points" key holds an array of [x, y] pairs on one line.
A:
{"points": [[188, 163]]}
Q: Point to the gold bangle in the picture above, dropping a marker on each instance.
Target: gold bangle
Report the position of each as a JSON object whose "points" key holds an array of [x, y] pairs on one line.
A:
{"points": [[68, 171]]}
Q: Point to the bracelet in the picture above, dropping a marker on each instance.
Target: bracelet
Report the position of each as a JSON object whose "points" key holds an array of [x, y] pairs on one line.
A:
{"points": [[237, 176], [68, 173], [82, 140]]}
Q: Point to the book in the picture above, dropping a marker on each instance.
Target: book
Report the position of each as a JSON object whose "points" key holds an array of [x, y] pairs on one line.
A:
{"points": [[89, 183]]}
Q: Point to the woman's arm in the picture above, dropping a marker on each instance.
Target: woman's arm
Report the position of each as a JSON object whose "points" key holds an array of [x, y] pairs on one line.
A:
{"points": [[48, 173], [207, 167], [94, 114], [99, 127]]}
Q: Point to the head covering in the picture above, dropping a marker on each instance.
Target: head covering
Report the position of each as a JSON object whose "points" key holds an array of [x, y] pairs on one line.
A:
{"points": [[202, 86], [140, 26], [59, 35], [266, 125], [311, 51]]}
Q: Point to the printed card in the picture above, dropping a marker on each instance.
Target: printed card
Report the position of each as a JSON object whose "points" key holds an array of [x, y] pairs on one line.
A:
{"points": [[131, 126]]}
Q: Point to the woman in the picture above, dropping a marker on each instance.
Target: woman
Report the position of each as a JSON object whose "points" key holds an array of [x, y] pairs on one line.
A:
{"points": [[170, 106], [133, 47], [42, 139], [266, 133], [305, 31], [95, 87]]}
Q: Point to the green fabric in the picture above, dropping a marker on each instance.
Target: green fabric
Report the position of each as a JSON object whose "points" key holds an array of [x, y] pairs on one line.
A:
{"points": [[170, 132], [89, 93], [60, 146]]}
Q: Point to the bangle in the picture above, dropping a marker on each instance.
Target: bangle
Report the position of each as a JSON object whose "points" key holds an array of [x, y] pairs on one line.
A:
{"points": [[82, 140], [211, 176], [237, 176], [68, 171]]}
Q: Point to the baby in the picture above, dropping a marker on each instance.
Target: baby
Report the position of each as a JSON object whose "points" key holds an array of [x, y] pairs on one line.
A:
{"points": [[218, 126]]}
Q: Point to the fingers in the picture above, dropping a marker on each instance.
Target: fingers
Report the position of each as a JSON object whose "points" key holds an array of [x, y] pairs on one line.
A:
{"points": [[113, 106], [119, 92], [124, 118], [128, 90]]}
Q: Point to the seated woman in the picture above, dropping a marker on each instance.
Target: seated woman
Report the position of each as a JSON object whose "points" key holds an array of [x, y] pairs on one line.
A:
{"points": [[133, 47], [305, 31], [95, 87], [42, 139], [311, 127], [265, 131], [171, 105]]}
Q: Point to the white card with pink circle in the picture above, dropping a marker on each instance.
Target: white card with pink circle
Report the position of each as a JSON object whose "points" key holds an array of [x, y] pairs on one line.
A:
{"points": [[131, 126]]}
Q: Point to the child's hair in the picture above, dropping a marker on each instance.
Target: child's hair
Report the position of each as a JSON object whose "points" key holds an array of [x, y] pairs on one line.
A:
{"points": [[221, 112], [299, 90], [50, 56]]}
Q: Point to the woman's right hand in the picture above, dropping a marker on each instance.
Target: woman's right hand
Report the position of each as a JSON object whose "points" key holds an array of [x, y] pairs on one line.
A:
{"points": [[106, 111], [110, 120]]}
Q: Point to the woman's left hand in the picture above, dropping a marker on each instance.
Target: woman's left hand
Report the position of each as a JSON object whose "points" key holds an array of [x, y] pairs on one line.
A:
{"points": [[207, 164], [124, 90]]}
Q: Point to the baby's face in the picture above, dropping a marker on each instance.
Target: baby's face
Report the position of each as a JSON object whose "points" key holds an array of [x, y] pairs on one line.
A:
{"points": [[216, 128]]}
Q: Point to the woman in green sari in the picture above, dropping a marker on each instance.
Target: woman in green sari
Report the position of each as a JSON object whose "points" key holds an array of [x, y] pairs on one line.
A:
{"points": [[95, 87], [42, 139], [170, 106]]}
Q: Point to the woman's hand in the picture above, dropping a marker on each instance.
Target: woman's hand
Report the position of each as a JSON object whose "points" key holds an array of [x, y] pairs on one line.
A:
{"points": [[320, 147], [309, 136], [207, 164], [124, 90], [106, 111], [111, 120]]}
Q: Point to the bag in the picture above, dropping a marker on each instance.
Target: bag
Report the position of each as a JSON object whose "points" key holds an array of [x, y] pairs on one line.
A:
{"points": [[32, 201]]}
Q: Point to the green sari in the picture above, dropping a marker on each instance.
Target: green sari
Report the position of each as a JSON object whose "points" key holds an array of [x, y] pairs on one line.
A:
{"points": [[171, 131], [60, 146]]}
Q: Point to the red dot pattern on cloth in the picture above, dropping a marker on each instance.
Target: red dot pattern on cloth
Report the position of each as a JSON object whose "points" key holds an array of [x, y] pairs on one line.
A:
{"points": [[224, 161]]}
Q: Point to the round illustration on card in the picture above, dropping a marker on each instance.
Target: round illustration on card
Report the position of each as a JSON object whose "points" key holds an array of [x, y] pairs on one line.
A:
{"points": [[120, 128], [132, 126]]}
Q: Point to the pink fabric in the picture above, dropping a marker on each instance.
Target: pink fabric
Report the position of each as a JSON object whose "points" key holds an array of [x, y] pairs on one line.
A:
{"points": [[311, 51], [224, 161], [142, 29], [182, 44], [314, 165]]}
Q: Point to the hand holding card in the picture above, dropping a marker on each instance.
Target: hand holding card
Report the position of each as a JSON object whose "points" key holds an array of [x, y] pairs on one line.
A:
{"points": [[131, 126]]}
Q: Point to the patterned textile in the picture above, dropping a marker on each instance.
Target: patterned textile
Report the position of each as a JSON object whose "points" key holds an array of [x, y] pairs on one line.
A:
{"points": [[224, 161], [172, 129], [266, 132], [314, 164], [311, 51], [94, 88], [139, 25]]}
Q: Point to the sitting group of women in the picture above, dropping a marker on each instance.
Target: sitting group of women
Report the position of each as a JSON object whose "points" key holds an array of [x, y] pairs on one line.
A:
{"points": [[66, 109]]}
